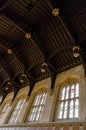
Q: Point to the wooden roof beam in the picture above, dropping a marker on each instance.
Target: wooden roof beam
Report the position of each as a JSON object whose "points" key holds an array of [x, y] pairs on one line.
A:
{"points": [[4, 4], [16, 21], [60, 49]]}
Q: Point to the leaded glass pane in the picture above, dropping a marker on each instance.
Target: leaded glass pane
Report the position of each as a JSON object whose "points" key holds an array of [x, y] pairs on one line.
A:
{"points": [[65, 109], [71, 109], [17, 110], [63, 94], [76, 108], [37, 107], [72, 91], [61, 110], [77, 90], [67, 93], [69, 101]]}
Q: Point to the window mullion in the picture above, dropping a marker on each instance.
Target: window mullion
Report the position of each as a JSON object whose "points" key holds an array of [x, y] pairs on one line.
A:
{"points": [[69, 99], [74, 99], [37, 107], [64, 102]]}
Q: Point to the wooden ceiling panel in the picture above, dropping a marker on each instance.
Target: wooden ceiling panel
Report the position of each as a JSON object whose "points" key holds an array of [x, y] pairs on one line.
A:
{"points": [[22, 7], [28, 53], [75, 15], [12, 65], [79, 25], [4, 77], [10, 29], [52, 38]]}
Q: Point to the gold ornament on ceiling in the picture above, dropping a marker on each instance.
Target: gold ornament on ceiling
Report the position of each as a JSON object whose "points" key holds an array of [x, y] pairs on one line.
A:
{"points": [[21, 81], [76, 51], [44, 67], [55, 12], [28, 35], [9, 51]]}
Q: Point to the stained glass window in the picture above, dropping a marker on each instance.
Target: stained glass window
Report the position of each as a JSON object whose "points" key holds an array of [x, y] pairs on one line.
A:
{"points": [[69, 101], [37, 107]]}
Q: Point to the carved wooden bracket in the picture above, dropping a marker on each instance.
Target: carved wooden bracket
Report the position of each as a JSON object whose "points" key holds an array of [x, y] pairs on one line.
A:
{"points": [[4, 94]]}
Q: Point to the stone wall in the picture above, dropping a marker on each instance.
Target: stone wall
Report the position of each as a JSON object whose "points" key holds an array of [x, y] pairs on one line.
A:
{"points": [[51, 102]]}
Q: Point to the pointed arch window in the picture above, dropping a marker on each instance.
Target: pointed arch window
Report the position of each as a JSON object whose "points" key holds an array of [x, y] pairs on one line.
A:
{"points": [[68, 106], [17, 110], [37, 106], [4, 109]]}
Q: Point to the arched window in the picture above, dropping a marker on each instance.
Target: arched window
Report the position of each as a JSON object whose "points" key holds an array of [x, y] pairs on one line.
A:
{"points": [[4, 109], [68, 106], [17, 110], [37, 106]]}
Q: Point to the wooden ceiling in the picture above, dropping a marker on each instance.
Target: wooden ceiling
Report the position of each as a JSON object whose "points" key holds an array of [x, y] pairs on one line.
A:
{"points": [[51, 42]]}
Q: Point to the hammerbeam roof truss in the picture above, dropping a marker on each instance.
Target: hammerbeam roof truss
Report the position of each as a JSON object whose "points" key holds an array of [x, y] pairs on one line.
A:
{"points": [[52, 38]]}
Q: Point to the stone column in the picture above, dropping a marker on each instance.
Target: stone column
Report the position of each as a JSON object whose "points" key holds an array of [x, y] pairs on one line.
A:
{"points": [[82, 111]]}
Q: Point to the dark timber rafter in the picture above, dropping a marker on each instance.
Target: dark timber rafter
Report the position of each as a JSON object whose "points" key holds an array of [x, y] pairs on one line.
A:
{"points": [[14, 21], [53, 38], [53, 74], [77, 41], [3, 4], [31, 83], [60, 49], [15, 89], [5, 79], [3, 94], [4, 39]]}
